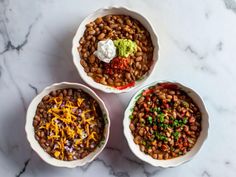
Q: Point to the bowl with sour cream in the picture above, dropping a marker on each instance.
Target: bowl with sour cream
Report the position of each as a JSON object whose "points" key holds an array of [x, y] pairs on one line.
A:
{"points": [[115, 49]]}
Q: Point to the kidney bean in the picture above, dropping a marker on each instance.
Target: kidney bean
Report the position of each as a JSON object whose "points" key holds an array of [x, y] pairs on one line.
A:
{"points": [[192, 120], [193, 127]]}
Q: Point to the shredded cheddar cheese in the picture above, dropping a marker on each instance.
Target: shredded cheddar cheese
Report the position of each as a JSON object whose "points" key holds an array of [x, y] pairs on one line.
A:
{"points": [[66, 124], [80, 101]]}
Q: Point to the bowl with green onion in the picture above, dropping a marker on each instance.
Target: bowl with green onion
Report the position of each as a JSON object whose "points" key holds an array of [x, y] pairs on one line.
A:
{"points": [[166, 123]]}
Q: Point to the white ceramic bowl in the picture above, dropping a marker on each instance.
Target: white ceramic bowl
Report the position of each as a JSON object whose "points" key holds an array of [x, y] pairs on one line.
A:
{"points": [[30, 129], [102, 12], [175, 161]]}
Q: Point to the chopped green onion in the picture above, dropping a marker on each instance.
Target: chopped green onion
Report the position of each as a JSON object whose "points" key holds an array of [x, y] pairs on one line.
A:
{"points": [[131, 116], [176, 123], [179, 123], [176, 135], [161, 117], [161, 137], [165, 126], [157, 109], [150, 119], [185, 120]]}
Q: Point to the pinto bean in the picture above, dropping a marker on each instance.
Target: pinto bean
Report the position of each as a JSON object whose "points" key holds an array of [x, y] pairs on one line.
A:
{"points": [[98, 20], [138, 59], [137, 139], [92, 59], [101, 36]]}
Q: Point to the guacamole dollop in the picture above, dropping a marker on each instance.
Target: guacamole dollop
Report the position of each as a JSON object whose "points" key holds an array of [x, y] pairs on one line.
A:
{"points": [[125, 47]]}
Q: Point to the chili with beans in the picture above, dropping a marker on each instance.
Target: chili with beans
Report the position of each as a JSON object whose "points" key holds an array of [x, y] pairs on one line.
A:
{"points": [[68, 124], [165, 122], [120, 72]]}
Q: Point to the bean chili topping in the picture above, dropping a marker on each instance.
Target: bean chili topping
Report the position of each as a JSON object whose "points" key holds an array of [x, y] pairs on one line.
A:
{"points": [[69, 124], [165, 122], [121, 71]]}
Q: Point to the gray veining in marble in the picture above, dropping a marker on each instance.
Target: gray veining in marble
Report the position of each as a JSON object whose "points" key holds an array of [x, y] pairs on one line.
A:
{"points": [[230, 4], [197, 48]]}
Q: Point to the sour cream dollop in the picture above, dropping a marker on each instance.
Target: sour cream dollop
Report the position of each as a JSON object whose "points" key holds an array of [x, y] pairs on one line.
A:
{"points": [[106, 50]]}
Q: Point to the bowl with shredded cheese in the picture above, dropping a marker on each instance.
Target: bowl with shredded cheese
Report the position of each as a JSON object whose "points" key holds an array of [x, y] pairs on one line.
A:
{"points": [[67, 124]]}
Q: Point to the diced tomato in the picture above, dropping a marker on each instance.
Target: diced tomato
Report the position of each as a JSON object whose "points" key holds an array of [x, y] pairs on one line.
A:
{"points": [[145, 105], [164, 101], [117, 64], [154, 127], [147, 92]]}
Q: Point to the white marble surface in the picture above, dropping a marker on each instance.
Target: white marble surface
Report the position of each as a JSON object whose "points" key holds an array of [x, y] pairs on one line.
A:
{"points": [[198, 48]]}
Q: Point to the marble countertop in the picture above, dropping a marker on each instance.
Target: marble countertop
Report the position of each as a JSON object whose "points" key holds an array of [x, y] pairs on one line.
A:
{"points": [[197, 48]]}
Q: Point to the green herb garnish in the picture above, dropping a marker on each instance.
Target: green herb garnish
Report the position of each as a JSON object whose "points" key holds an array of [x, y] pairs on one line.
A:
{"points": [[157, 109], [150, 119], [165, 126], [185, 120], [131, 116], [161, 137], [175, 123], [161, 117], [179, 123], [176, 135]]}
